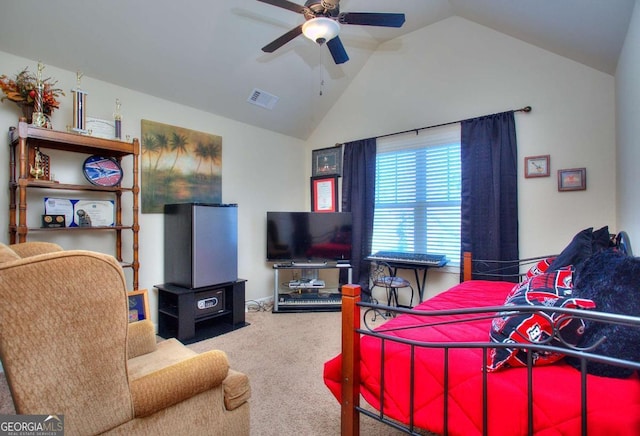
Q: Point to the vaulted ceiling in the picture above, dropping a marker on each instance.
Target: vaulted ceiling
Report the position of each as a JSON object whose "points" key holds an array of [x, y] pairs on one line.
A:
{"points": [[207, 54]]}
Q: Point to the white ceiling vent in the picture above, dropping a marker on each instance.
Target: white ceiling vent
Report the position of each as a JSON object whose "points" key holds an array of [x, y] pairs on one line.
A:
{"points": [[262, 99]]}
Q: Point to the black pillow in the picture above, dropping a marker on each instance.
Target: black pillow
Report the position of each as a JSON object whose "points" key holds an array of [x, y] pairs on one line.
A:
{"points": [[612, 281], [578, 250], [601, 239]]}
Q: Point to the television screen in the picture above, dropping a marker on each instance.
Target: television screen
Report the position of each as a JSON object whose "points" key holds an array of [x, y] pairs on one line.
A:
{"points": [[308, 236]]}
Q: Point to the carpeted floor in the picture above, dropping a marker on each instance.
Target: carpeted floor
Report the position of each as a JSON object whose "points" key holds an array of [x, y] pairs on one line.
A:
{"points": [[283, 355]]}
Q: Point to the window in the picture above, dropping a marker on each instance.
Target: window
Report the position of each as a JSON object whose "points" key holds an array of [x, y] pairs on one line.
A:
{"points": [[417, 198]]}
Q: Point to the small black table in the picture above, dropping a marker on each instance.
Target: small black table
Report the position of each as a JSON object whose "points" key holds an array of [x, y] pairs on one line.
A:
{"points": [[193, 314]]}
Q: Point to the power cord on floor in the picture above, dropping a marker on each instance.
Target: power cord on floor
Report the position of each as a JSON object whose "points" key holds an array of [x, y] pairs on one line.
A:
{"points": [[258, 306]]}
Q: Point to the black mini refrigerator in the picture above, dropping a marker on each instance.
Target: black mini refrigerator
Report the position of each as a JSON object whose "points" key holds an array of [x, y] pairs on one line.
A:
{"points": [[200, 244]]}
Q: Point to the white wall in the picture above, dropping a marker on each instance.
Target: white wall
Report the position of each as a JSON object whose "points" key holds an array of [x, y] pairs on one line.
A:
{"points": [[628, 129], [260, 171], [456, 69]]}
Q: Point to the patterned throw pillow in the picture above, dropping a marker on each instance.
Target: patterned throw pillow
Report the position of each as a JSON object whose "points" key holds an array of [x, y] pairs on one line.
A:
{"points": [[539, 268], [552, 289]]}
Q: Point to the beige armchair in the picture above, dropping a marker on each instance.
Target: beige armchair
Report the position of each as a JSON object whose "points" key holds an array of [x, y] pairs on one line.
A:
{"points": [[67, 348]]}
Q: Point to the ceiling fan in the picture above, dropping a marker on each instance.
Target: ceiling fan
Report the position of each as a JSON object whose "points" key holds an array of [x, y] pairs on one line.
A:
{"points": [[322, 24]]}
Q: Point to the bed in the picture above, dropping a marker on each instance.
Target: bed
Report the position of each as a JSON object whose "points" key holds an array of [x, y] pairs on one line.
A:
{"points": [[450, 366]]}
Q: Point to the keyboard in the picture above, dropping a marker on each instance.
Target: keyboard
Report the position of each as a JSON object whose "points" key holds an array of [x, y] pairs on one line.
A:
{"points": [[310, 300], [426, 259]]}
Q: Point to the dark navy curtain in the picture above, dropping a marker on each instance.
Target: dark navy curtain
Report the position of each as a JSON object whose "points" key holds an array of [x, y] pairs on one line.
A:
{"points": [[358, 197], [489, 208]]}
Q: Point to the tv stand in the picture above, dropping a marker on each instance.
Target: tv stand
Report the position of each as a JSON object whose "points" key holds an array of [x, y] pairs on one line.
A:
{"points": [[191, 315], [305, 298]]}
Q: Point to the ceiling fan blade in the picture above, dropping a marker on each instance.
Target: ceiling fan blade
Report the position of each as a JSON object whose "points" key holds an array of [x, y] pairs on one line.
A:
{"points": [[372, 19], [279, 42], [285, 5], [337, 50]]}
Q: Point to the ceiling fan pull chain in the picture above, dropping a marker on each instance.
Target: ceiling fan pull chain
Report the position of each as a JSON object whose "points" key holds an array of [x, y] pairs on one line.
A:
{"points": [[321, 74]]}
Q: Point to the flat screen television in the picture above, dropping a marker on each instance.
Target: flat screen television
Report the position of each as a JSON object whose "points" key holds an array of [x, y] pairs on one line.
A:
{"points": [[308, 236]]}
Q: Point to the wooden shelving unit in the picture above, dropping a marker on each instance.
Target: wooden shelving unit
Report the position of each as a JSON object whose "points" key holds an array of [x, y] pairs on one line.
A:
{"points": [[27, 137]]}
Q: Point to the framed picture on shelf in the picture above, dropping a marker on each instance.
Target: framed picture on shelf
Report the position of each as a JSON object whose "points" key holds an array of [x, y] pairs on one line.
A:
{"points": [[574, 179], [138, 305], [326, 161], [324, 194], [536, 166]]}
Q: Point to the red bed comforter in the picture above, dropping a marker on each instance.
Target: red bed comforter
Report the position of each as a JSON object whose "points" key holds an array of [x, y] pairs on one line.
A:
{"points": [[613, 404]]}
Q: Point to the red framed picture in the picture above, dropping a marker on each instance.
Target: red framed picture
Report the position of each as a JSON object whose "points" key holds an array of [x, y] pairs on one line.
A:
{"points": [[324, 194]]}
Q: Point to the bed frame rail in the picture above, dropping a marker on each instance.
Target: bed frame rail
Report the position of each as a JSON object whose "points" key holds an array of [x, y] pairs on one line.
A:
{"points": [[506, 270], [514, 270]]}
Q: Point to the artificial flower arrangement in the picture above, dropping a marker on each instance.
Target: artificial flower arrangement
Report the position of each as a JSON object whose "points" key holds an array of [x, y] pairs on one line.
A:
{"points": [[22, 91]]}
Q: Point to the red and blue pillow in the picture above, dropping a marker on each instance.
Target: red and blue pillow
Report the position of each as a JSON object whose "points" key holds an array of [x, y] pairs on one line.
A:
{"points": [[548, 289]]}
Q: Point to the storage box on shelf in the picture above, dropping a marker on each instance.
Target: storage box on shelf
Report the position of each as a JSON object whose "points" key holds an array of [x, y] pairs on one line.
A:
{"points": [[25, 139]]}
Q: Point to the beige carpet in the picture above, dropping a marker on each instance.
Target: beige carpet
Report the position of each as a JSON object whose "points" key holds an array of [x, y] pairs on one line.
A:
{"points": [[283, 355]]}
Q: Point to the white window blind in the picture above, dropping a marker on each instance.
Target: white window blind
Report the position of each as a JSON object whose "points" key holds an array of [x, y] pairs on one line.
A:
{"points": [[417, 198]]}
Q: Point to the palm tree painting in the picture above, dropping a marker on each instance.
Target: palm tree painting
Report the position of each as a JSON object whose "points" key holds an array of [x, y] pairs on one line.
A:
{"points": [[179, 166]]}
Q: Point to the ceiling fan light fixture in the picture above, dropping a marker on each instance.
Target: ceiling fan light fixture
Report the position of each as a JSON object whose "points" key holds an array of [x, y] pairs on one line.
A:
{"points": [[320, 29]]}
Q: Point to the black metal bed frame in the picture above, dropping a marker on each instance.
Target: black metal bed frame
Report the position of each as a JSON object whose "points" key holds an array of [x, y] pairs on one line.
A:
{"points": [[431, 319]]}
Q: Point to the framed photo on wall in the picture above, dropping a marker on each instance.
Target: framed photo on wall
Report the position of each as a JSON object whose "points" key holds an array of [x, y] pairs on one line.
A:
{"points": [[536, 166], [324, 194], [138, 305], [574, 179], [326, 161]]}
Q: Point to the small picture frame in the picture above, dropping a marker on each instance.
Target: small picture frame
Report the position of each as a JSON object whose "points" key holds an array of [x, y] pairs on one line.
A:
{"points": [[572, 179], [324, 194], [537, 166], [138, 305], [326, 161]]}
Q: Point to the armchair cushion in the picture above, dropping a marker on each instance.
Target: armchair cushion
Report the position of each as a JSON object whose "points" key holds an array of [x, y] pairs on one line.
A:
{"points": [[168, 386]]}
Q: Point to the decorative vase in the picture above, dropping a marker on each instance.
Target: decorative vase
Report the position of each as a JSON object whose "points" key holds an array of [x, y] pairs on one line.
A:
{"points": [[27, 111]]}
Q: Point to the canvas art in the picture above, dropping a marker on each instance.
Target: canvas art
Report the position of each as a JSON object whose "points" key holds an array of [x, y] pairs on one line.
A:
{"points": [[179, 166]]}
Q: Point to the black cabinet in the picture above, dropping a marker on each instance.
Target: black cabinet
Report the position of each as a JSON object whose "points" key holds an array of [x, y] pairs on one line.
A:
{"points": [[191, 315]]}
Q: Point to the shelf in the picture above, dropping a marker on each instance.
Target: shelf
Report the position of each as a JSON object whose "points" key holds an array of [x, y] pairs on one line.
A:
{"points": [[75, 142], [169, 311], [45, 184], [77, 229], [328, 265], [211, 316], [24, 139]]}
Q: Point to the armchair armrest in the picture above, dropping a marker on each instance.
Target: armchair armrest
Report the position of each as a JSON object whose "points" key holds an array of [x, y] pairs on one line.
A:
{"points": [[141, 338], [175, 383], [237, 389]]}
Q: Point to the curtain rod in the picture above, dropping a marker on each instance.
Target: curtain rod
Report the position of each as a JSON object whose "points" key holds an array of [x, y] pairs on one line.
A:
{"points": [[524, 109]]}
